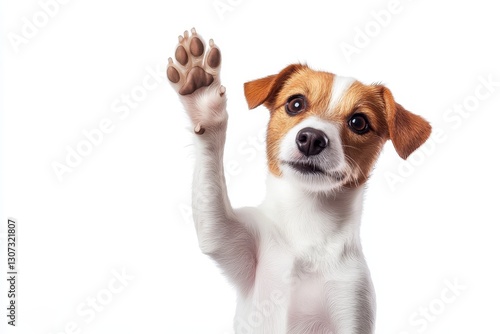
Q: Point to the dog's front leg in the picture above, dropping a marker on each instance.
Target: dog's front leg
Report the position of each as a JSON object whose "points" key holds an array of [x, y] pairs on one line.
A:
{"points": [[195, 76], [353, 299]]}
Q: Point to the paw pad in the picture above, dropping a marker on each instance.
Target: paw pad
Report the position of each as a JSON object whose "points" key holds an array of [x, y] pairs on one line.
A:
{"points": [[196, 47], [196, 66], [181, 55]]}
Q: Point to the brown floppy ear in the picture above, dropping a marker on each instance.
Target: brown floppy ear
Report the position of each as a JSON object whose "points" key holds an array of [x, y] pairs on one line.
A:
{"points": [[264, 90], [407, 131]]}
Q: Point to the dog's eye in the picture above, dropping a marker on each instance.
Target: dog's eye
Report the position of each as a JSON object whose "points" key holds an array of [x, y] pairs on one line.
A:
{"points": [[295, 105], [359, 124]]}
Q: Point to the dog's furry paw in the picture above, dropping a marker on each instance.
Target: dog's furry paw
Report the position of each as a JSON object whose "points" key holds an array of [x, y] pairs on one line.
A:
{"points": [[196, 77]]}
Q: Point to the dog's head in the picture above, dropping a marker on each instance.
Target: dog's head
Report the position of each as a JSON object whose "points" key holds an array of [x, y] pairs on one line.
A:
{"points": [[326, 131]]}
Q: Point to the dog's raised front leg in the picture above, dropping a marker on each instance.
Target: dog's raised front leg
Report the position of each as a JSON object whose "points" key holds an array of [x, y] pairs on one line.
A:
{"points": [[195, 76]]}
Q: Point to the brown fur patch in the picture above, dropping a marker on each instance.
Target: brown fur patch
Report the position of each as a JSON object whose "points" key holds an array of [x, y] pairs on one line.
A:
{"points": [[361, 151], [264, 90], [407, 131]]}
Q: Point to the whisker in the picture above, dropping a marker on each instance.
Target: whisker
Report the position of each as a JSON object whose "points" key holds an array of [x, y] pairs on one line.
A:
{"points": [[358, 168], [349, 146]]}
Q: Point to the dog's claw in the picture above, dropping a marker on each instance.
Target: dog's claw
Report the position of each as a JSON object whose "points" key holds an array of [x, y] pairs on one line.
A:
{"points": [[198, 129], [222, 90]]}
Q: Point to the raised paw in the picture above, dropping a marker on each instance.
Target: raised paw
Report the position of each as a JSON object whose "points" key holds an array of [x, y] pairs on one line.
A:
{"points": [[195, 75], [196, 66]]}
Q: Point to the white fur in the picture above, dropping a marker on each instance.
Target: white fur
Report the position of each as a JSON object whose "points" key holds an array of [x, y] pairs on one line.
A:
{"points": [[310, 266], [340, 86]]}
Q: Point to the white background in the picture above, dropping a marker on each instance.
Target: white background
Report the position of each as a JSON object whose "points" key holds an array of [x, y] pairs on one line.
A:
{"points": [[125, 207]]}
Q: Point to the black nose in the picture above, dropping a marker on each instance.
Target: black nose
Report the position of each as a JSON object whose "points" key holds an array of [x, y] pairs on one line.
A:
{"points": [[311, 141]]}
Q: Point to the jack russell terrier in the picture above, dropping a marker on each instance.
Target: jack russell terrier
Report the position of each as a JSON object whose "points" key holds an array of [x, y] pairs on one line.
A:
{"points": [[296, 260]]}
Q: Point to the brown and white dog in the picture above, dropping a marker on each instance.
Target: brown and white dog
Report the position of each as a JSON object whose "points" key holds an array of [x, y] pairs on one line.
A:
{"points": [[296, 260]]}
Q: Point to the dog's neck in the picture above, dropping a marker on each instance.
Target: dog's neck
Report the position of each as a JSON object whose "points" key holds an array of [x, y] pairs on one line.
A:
{"points": [[312, 218]]}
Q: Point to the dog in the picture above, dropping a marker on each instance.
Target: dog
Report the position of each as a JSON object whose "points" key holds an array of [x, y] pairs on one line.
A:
{"points": [[296, 260]]}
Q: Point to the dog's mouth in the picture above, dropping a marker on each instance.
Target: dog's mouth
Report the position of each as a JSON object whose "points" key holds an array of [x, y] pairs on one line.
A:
{"points": [[309, 168], [305, 167]]}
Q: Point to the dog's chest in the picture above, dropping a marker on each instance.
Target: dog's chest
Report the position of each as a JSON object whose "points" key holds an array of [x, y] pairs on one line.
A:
{"points": [[301, 251], [288, 288]]}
